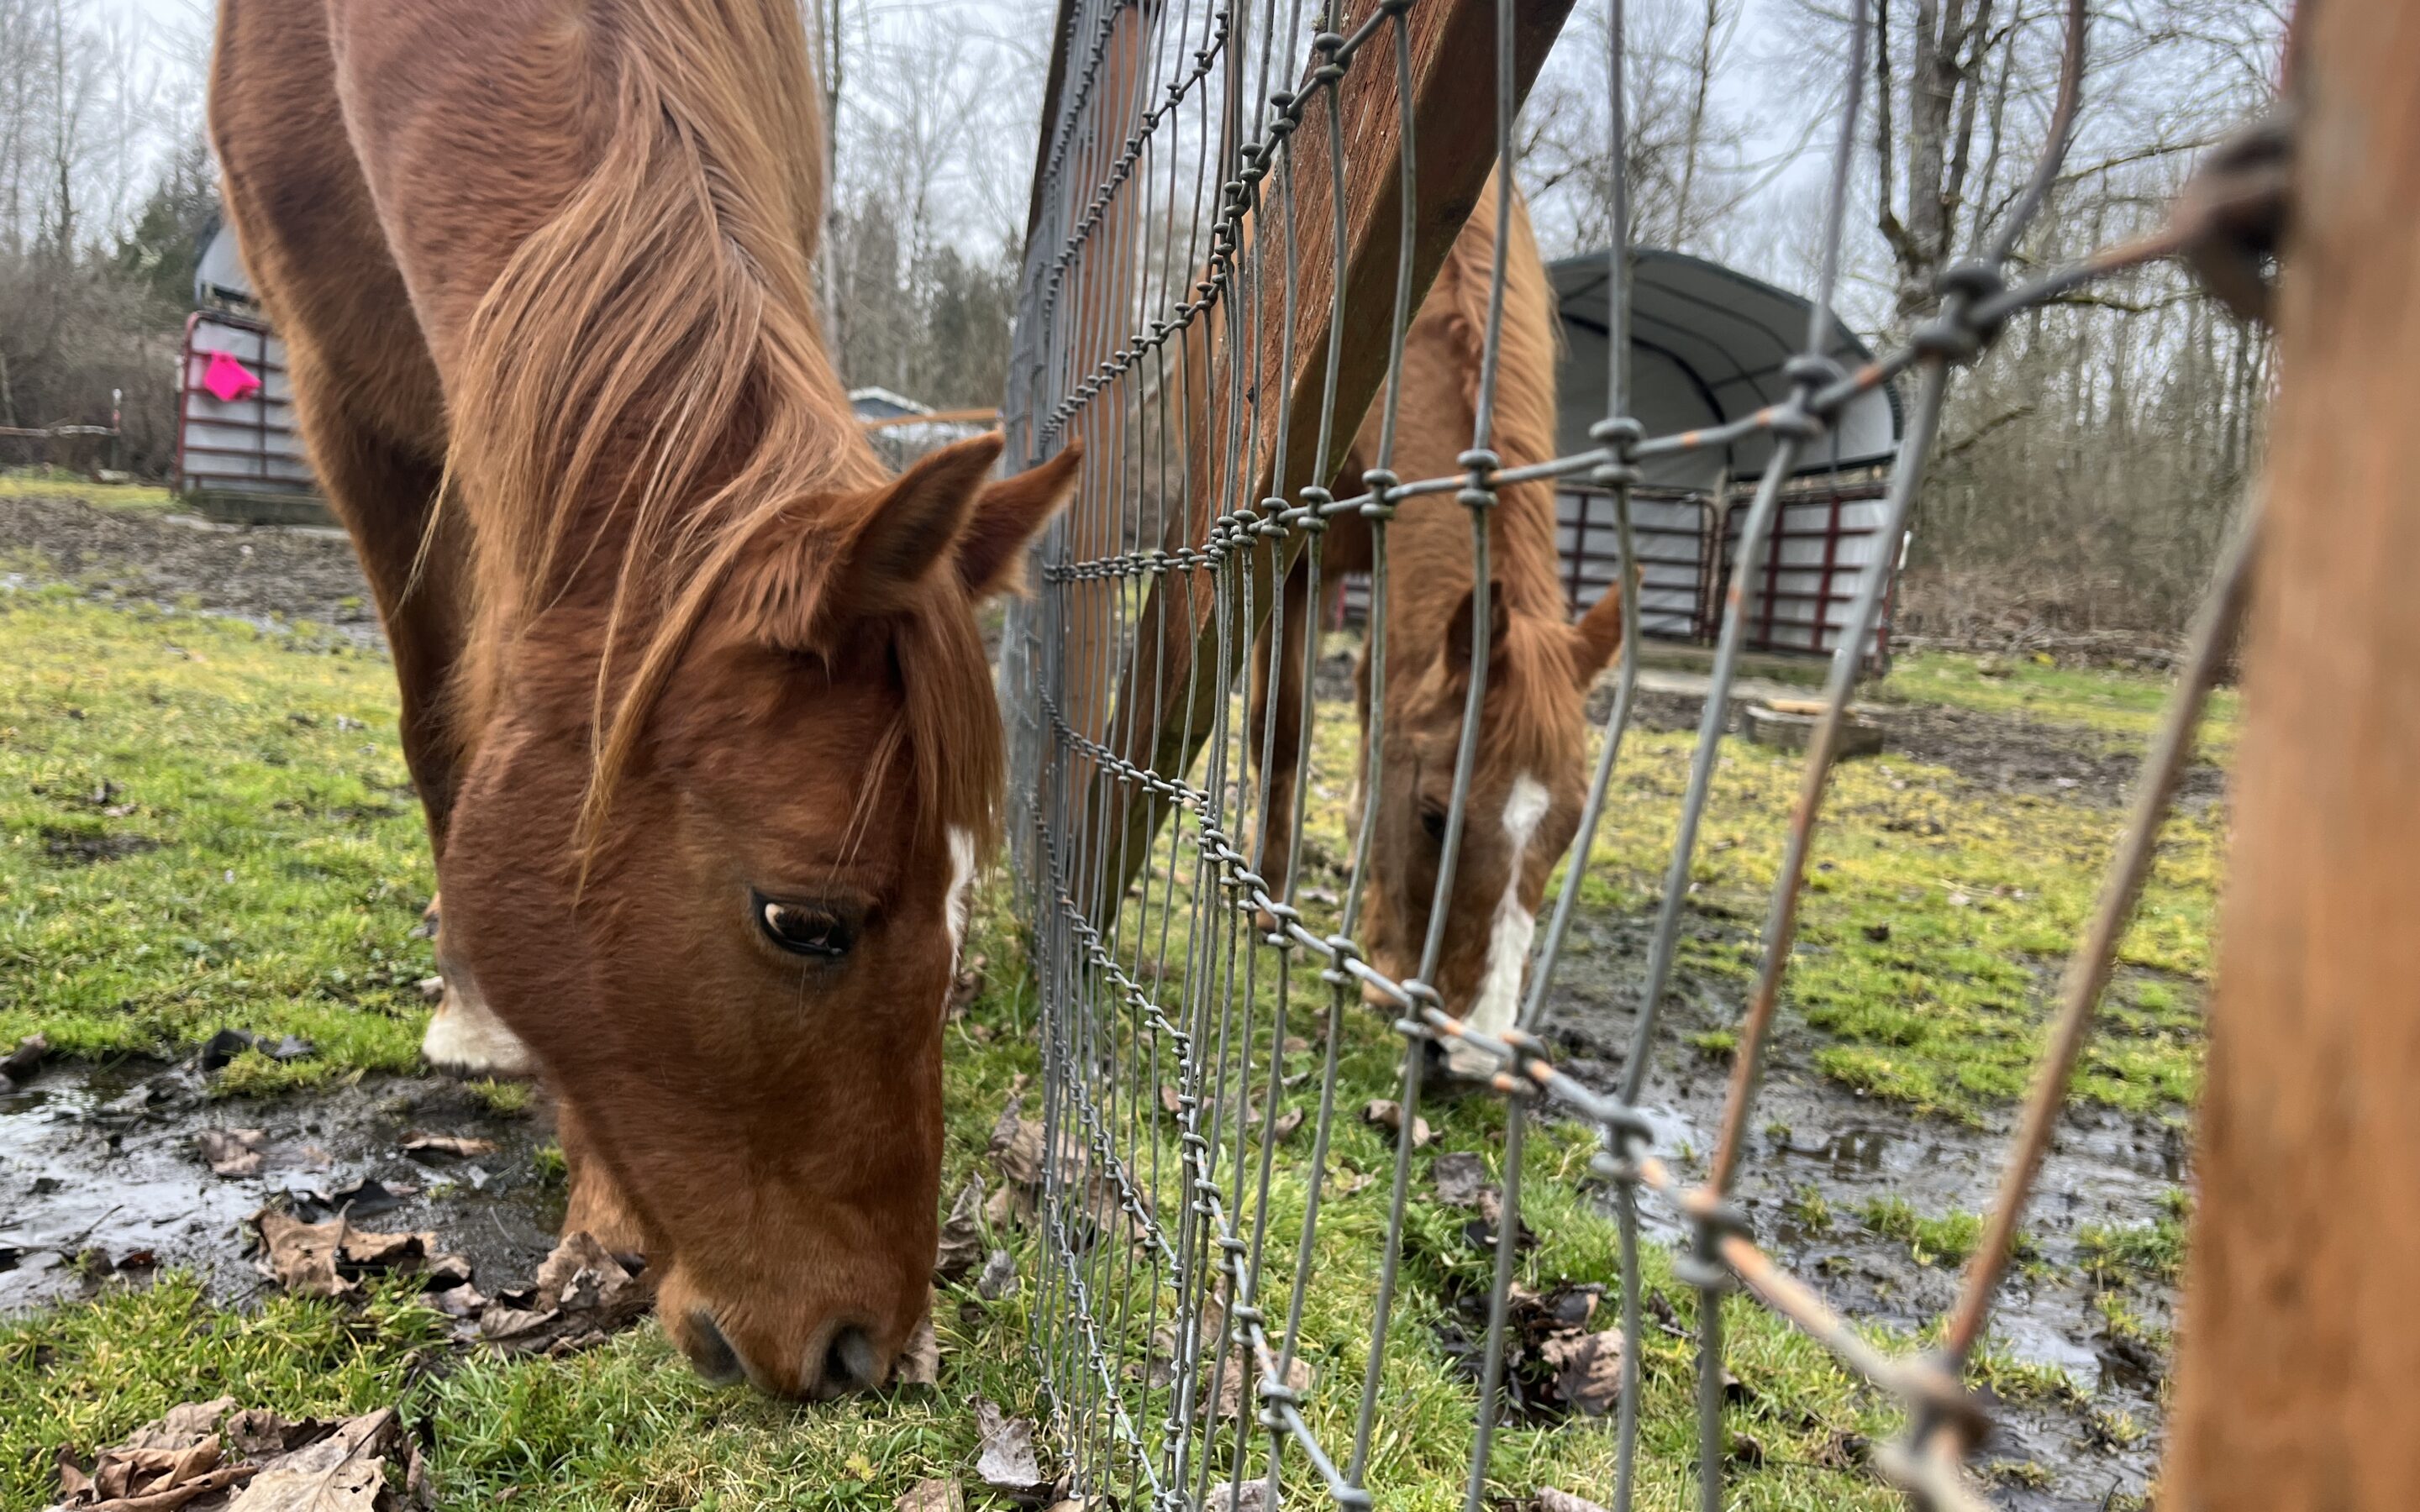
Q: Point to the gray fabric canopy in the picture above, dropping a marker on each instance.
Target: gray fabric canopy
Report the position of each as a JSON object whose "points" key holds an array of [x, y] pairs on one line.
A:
{"points": [[1708, 345]]}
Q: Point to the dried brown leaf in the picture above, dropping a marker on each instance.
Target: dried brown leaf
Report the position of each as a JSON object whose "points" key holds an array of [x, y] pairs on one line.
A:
{"points": [[1006, 1461], [1460, 1177], [1010, 1207], [232, 1151], [299, 1257], [1240, 1379], [1587, 1370], [502, 1322], [920, 1362], [580, 1277], [1551, 1500], [1387, 1115], [462, 1145], [343, 1472], [961, 1244], [932, 1496], [999, 1278]]}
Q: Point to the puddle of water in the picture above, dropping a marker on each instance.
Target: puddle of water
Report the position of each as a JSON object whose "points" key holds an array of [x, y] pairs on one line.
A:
{"points": [[1813, 1134], [107, 1162]]}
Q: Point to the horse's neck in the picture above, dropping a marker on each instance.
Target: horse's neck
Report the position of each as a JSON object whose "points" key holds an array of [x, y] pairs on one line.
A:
{"points": [[1430, 564]]}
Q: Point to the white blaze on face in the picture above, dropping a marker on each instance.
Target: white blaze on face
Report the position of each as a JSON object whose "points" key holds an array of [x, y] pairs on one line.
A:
{"points": [[1512, 928], [962, 881]]}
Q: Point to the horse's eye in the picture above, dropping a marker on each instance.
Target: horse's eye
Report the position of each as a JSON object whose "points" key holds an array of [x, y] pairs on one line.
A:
{"points": [[1432, 821], [803, 929]]}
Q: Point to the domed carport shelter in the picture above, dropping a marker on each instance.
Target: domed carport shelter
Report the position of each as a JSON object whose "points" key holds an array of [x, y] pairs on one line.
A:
{"points": [[1709, 345]]}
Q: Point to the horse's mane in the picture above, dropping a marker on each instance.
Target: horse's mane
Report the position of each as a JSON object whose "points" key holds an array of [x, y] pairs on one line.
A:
{"points": [[1533, 681], [644, 390]]}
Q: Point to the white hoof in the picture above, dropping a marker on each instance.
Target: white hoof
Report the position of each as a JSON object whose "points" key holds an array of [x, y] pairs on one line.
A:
{"points": [[466, 1040]]}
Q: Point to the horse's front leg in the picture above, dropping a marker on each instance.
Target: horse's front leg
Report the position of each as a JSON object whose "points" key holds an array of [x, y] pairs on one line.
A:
{"points": [[1278, 749]]}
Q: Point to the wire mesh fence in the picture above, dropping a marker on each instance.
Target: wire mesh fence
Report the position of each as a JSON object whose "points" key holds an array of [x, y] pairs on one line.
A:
{"points": [[1244, 213]]}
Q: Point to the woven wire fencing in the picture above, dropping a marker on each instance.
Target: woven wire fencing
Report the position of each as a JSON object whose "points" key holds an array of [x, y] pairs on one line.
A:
{"points": [[1239, 208]]}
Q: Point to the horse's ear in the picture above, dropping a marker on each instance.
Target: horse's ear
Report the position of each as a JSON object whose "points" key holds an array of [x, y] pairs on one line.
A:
{"points": [[1007, 517], [906, 530], [1465, 614], [1597, 636]]}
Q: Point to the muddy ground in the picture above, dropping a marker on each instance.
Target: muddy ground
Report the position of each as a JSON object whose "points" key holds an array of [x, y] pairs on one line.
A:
{"points": [[100, 1172], [1811, 1132], [180, 562], [101, 1175]]}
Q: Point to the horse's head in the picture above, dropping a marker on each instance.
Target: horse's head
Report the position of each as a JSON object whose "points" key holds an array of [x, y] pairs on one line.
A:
{"points": [[1528, 784], [737, 974]]}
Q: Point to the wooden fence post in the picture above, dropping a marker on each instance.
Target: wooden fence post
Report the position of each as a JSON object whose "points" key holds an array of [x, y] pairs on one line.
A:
{"points": [[2299, 1356]]}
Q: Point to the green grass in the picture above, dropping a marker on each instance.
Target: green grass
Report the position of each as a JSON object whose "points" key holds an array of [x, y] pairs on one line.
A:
{"points": [[1944, 1240], [260, 860], [2115, 1255], [51, 483]]}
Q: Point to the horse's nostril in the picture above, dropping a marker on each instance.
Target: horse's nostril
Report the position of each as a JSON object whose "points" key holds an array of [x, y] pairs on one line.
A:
{"points": [[850, 1364], [710, 1352]]}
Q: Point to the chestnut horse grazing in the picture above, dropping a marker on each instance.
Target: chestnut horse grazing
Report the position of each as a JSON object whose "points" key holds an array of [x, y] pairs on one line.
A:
{"points": [[1529, 780], [691, 689]]}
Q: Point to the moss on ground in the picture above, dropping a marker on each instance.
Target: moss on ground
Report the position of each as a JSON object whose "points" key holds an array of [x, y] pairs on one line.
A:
{"points": [[50, 482], [205, 825]]}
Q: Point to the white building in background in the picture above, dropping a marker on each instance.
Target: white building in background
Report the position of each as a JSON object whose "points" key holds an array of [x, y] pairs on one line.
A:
{"points": [[1709, 345]]}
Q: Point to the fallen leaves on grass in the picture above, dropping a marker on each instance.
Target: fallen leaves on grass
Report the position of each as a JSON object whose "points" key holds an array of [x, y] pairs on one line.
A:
{"points": [[1234, 1385], [344, 1471], [182, 1460], [232, 1151], [961, 1244], [1006, 1461], [583, 1294], [1388, 1115], [1554, 1364], [932, 1496], [328, 1259], [1017, 1150], [1459, 1178], [920, 1360], [1587, 1370], [999, 1278]]}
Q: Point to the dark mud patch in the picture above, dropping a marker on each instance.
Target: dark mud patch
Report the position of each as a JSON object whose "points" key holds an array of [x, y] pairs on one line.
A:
{"points": [[85, 847], [103, 1179], [260, 574], [1820, 1156], [2007, 753], [1996, 752]]}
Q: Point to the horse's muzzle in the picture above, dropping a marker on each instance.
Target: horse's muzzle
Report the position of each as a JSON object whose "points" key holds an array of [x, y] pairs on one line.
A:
{"points": [[849, 1363]]}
